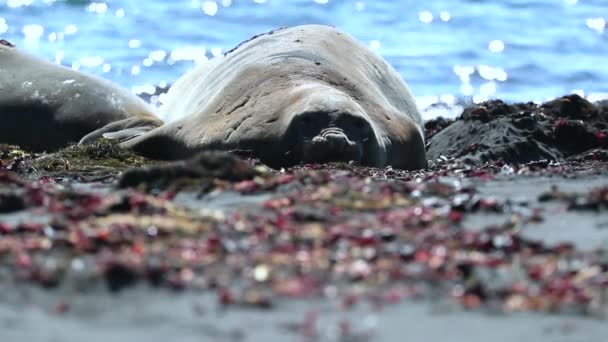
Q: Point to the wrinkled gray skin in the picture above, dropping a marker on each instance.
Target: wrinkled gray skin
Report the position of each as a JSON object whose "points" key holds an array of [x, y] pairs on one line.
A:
{"points": [[301, 94], [45, 106]]}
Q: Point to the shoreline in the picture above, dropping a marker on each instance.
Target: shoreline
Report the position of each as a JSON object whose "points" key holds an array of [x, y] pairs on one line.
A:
{"points": [[486, 228]]}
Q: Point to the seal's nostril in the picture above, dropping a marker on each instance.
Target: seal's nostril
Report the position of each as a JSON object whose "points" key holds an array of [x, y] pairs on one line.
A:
{"points": [[332, 137], [337, 141], [318, 139]]}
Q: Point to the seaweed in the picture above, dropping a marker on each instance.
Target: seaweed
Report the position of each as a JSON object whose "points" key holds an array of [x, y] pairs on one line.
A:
{"points": [[101, 159]]}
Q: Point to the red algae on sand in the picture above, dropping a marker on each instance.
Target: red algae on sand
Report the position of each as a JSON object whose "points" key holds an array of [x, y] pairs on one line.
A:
{"points": [[356, 233]]}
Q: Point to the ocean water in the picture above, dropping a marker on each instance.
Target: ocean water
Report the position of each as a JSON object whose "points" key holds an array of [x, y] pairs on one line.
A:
{"points": [[447, 50]]}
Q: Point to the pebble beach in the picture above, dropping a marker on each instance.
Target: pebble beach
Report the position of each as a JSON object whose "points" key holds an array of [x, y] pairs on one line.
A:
{"points": [[504, 236]]}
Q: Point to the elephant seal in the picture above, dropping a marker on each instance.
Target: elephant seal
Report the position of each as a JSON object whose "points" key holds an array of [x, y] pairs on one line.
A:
{"points": [[303, 94], [45, 106]]}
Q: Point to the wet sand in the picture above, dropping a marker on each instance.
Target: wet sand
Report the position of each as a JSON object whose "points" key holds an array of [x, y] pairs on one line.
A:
{"points": [[154, 315]]}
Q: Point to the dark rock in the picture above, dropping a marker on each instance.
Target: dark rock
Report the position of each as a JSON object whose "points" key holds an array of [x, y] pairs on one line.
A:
{"points": [[494, 131], [570, 106], [205, 167], [487, 111], [435, 126], [573, 136]]}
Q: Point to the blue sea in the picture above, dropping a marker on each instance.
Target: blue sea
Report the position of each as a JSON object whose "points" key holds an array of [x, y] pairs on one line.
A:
{"points": [[447, 50]]}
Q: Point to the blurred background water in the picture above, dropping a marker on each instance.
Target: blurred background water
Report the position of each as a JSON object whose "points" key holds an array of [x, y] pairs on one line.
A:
{"points": [[516, 50]]}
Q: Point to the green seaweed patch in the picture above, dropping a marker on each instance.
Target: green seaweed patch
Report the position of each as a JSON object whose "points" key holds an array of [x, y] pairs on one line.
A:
{"points": [[104, 150], [99, 159], [9, 152]]}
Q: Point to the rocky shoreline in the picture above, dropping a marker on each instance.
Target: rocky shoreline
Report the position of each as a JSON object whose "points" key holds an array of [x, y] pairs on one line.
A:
{"points": [[96, 216]]}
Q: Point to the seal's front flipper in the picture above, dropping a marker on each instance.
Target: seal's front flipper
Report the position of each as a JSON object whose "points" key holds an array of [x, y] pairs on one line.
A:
{"points": [[122, 130], [127, 134], [161, 144]]}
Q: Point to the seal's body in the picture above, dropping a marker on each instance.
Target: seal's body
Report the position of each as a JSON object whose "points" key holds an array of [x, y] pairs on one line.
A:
{"points": [[302, 94], [45, 106]]}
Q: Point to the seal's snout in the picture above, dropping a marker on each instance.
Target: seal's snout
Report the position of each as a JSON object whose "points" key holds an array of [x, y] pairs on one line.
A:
{"points": [[334, 140], [332, 144], [330, 135]]}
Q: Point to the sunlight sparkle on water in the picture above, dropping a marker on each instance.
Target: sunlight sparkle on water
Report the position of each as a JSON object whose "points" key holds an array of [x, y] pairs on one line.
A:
{"points": [[33, 31], [59, 56], [158, 55], [597, 96], [491, 73], [98, 7], [496, 46], [374, 45], [487, 89], [467, 89], [3, 25], [448, 99], [210, 8], [19, 3], [216, 52], [134, 43], [596, 24], [425, 17], [446, 49], [187, 53], [90, 62], [464, 72], [70, 29]]}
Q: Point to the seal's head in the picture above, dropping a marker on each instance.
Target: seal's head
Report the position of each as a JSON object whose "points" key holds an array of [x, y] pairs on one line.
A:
{"points": [[327, 125]]}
